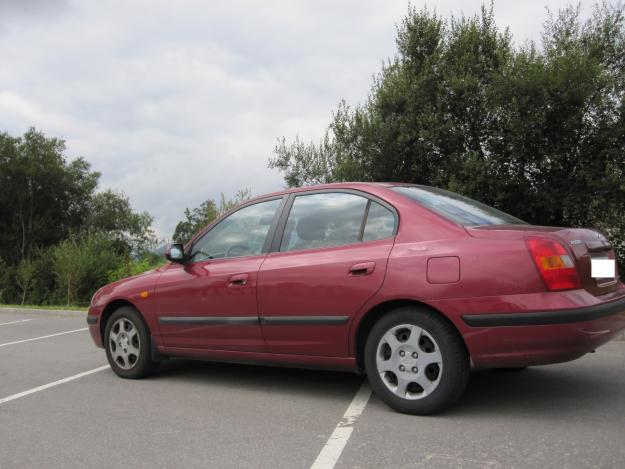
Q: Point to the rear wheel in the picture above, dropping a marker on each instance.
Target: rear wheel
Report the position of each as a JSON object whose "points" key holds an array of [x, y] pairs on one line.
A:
{"points": [[415, 361], [128, 344]]}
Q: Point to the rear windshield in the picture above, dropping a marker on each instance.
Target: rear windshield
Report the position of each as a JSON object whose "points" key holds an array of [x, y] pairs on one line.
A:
{"points": [[457, 208]]}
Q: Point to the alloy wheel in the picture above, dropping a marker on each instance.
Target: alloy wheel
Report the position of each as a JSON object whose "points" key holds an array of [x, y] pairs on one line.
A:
{"points": [[409, 361], [124, 343]]}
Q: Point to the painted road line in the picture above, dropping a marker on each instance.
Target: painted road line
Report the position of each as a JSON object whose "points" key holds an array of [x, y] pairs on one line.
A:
{"points": [[332, 450], [14, 322], [43, 337], [52, 384]]}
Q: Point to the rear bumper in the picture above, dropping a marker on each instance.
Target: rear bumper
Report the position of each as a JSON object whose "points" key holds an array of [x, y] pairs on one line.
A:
{"points": [[516, 331], [564, 316]]}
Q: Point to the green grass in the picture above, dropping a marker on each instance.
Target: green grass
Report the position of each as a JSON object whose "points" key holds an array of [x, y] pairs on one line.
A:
{"points": [[55, 308]]}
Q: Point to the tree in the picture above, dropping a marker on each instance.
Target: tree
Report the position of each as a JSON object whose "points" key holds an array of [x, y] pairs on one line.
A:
{"points": [[42, 196], [110, 212], [201, 216], [44, 199], [82, 265], [535, 130], [25, 276]]}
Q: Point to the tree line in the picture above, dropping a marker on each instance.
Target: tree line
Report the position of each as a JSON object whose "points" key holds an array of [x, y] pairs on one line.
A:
{"points": [[537, 130], [62, 238]]}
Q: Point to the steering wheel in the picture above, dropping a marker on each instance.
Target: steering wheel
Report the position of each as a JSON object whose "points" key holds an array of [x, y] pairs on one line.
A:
{"points": [[237, 250]]}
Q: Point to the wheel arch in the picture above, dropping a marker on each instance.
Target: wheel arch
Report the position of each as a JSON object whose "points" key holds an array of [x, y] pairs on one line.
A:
{"points": [[110, 308], [368, 320]]}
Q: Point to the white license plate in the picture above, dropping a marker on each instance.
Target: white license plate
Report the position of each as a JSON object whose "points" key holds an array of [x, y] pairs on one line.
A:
{"points": [[602, 268]]}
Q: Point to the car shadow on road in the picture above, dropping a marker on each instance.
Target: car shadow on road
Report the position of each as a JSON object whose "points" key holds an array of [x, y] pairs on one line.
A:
{"points": [[534, 392], [287, 381]]}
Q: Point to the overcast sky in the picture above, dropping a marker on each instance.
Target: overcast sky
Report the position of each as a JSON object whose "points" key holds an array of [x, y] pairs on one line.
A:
{"points": [[175, 102]]}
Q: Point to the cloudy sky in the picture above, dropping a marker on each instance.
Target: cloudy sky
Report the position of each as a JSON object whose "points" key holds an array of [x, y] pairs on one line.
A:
{"points": [[175, 102]]}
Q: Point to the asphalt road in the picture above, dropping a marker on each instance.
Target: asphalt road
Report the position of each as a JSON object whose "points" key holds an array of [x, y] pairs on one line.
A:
{"points": [[196, 414]]}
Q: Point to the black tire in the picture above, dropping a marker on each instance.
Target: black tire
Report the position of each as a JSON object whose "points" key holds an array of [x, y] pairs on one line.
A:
{"points": [[142, 365], [452, 378]]}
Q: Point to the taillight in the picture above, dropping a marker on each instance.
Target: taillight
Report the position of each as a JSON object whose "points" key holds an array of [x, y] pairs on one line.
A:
{"points": [[554, 264]]}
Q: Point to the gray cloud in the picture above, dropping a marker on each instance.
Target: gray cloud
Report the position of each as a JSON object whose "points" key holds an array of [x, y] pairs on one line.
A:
{"points": [[175, 102], [26, 11]]}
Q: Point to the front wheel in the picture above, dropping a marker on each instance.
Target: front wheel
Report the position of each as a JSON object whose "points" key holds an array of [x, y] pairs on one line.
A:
{"points": [[416, 362], [128, 346]]}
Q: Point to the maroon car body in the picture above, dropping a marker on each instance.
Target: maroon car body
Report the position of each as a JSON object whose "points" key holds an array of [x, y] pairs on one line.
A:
{"points": [[315, 307]]}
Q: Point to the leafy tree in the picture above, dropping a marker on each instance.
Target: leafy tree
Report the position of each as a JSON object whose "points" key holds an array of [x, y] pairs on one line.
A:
{"points": [[70, 267], [26, 271], [133, 267], [44, 199], [536, 130], [6, 277], [111, 212], [42, 196], [228, 204], [194, 220], [81, 265], [58, 231], [201, 216]]}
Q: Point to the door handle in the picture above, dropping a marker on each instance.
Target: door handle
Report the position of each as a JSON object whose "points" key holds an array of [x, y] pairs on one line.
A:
{"points": [[238, 280], [364, 268]]}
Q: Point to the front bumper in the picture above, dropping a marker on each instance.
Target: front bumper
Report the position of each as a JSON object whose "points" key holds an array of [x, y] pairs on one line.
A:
{"points": [[93, 321]]}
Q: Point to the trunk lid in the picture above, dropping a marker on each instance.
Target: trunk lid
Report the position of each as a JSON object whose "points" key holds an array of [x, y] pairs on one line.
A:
{"points": [[584, 244]]}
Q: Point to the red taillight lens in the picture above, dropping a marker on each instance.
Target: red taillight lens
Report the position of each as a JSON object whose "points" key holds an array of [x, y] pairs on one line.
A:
{"points": [[554, 264]]}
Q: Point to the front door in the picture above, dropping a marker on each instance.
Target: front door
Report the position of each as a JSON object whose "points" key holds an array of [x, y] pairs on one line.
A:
{"points": [[332, 258], [210, 301]]}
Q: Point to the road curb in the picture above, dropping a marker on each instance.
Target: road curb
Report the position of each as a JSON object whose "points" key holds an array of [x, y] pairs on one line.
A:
{"points": [[64, 313]]}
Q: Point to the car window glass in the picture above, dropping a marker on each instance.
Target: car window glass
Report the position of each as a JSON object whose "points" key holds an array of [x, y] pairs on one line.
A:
{"points": [[323, 220], [380, 223], [241, 234], [457, 208]]}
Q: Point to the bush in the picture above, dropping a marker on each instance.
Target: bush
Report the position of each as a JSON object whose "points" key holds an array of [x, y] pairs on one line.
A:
{"points": [[135, 267], [81, 266]]}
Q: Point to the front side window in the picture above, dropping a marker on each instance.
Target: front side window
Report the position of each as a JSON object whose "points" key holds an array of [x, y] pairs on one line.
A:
{"points": [[241, 234], [457, 208], [323, 220]]}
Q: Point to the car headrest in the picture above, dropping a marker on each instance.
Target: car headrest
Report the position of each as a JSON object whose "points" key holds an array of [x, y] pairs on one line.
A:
{"points": [[311, 228]]}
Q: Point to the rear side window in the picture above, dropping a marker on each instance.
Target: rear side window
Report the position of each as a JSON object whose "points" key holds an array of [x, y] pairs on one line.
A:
{"points": [[380, 223], [457, 208], [323, 220]]}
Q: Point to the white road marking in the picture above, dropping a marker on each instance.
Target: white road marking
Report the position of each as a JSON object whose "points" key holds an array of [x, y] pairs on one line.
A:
{"points": [[332, 450], [14, 322], [43, 337], [51, 385]]}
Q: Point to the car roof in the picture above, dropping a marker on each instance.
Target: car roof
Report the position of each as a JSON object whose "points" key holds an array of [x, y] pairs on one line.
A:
{"points": [[334, 185]]}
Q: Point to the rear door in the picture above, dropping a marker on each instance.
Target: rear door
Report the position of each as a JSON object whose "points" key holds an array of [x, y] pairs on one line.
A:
{"points": [[210, 302], [329, 258]]}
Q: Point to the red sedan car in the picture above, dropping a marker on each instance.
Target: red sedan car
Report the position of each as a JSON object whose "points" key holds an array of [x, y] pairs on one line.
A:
{"points": [[409, 284]]}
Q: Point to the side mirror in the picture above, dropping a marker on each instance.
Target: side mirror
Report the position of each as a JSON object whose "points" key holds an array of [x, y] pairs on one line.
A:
{"points": [[175, 253]]}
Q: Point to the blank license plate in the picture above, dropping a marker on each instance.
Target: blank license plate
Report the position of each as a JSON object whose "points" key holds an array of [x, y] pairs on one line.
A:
{"points": [[602, 268]]}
